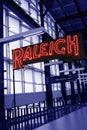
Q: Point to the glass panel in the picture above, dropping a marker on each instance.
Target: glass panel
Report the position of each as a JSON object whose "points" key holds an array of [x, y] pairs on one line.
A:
{"points": [[24, 5], [17, 74], [28, 87], [38, 78], [37, 65], [14, 25], [44, 87], [33, 14], [68, 86], [66, 68], [42, 65], [12, 91], [35, 39], [43, 76], [18, 87], [28, 75], [26, 41], [59, 86], [24, 29], [13, 45], [38, 88]]}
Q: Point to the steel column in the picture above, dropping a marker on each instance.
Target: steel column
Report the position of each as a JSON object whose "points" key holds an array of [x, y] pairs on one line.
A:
{"points": [[49, 96], [72, 85], [63, 87], [1, 65]]}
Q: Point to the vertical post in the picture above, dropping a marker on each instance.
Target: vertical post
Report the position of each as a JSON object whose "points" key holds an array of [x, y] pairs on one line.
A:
{"points": [[14, 89], [49, 96], [63, 88], [83, 92], [78, 82], [73, 99], [56, 30], [2, 116], [14, 98], [41, 13], [79, 90], [83, 88], [48, 87]]}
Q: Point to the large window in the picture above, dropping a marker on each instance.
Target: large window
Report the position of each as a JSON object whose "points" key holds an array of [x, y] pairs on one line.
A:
{"points": [[31, 78]]}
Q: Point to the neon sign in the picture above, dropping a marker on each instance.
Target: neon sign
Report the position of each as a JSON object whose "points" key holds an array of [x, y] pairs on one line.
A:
{"points": [[69, 48]]}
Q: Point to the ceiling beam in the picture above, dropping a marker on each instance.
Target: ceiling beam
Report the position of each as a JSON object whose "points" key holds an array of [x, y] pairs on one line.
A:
{"points": [[71, 17], [83, 31], [79, 11], [59, 3], [48, 7]]}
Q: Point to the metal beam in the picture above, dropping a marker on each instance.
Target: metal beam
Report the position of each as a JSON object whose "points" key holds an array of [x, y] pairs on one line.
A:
{"points": [[81, 78], [15, 8], [83, 74], [63, 78], [73, 78], [83, 31], [77, 6], [70, 70], [59, 2], [85, 81], [71, 17], [63, 86], [53, 63], [49, 95], [48, 7], [37, 31]]}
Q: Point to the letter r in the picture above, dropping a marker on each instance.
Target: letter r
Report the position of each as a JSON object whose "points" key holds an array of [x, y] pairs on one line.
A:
{"points": [[17, 58]]}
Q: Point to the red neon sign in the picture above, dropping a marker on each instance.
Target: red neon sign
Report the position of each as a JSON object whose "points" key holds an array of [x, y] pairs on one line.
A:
{"points": [[63, 48]]}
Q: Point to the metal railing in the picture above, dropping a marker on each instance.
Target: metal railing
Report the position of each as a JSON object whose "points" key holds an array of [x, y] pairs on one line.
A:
{"points": [[31, 117]]}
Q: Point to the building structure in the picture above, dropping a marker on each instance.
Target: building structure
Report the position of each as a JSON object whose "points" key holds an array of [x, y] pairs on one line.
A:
{"points": [[31, 87]]}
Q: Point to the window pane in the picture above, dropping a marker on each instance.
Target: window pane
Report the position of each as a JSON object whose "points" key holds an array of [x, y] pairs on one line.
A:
{"points": [[38, 78], [18, 87], [28, 75], [38, 88], [17, 74], [24, 5], [28, 87], [14, 25]]}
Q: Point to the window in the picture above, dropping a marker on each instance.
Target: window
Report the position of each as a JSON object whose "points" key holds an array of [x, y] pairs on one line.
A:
{"points": [[31, 78]]}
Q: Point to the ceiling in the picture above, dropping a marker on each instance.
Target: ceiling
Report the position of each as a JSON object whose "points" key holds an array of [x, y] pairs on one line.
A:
{"points": [[71, 15]]}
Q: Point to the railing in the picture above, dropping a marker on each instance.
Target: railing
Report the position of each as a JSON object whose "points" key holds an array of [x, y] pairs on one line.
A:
{"points": [[34, 116]]}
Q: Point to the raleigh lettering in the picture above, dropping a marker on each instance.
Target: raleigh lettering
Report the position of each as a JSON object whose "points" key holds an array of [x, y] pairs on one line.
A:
{"points": [[59, 48]]}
